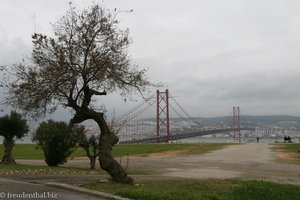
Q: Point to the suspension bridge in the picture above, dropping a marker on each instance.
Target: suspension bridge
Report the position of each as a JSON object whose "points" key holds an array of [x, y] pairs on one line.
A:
{"points": [[150, 122]]}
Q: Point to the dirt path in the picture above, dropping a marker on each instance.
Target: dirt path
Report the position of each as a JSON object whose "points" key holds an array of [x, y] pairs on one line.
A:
{"points": [[251, 160]]}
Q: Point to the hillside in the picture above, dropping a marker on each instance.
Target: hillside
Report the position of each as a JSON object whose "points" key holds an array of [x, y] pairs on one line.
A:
{"points": [[251, 120]]}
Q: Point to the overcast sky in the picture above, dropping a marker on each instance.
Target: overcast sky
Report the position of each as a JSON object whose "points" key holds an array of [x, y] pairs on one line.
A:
{"points": [[211, 55]]}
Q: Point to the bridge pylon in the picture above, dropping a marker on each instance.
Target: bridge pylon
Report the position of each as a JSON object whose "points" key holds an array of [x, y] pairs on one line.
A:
{"points": [[236, 123], [162, 114]]}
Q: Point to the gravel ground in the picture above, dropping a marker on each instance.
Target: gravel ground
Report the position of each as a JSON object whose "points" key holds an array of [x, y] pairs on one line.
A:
{"points": [[250, 160]]}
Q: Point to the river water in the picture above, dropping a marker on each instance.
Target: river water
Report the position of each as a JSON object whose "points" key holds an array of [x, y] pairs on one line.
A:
{"points": [[200, 139]]}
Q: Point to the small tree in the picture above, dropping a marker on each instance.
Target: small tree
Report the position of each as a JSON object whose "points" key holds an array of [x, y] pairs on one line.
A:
{"points": [[57, 139], [12, 127], [90, 143]]}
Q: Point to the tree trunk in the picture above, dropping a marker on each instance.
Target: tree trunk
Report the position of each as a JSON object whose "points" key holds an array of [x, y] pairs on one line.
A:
{"points": [[107, 140], [93, 162], [93, 158], [107, 163], [8, 147]]}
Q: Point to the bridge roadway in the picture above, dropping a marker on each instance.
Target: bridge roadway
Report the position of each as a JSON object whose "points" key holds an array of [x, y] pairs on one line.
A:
{"points": [[163, 139]]}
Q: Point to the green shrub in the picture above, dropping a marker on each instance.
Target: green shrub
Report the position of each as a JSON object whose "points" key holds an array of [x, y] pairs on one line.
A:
{"points": [[57, 140]]}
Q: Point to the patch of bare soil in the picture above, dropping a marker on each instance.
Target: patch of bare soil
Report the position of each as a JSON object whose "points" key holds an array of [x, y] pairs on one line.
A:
{"points": [[289, 157], [252, 160]]}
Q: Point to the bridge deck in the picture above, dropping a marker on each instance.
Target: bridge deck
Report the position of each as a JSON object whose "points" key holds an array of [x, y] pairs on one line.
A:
{"points": [[163, 139]]}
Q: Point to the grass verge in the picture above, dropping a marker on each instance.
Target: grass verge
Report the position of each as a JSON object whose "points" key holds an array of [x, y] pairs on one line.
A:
{"points": [[289, 147], [201, 190], [181, 148], [31, 152]]}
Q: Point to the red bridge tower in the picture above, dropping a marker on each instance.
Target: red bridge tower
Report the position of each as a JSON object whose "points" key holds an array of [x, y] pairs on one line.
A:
{"points": [[236, 123], [163, 116]]}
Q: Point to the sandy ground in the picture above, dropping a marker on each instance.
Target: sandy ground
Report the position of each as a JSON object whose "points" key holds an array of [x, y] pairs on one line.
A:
{"points": [[251, 160]]}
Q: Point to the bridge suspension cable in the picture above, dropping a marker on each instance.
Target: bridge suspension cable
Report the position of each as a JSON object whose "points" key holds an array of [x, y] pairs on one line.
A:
{"points": [[181, 108], [135, 111]]}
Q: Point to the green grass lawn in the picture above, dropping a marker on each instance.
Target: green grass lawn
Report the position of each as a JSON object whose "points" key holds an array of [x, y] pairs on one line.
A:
{"points": [[30, 151], [291, 147], [146, 149], [201, 190]]}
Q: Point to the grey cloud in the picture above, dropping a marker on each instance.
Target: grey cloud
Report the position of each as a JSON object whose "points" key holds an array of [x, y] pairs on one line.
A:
{"points": [[210, 54], [12, 51]]}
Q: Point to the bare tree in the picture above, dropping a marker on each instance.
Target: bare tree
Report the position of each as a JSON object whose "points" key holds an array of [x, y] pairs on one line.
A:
{"points": [[90, 143], [86, 57]]}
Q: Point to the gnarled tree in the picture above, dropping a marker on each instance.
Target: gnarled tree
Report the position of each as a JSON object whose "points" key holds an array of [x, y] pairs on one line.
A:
{"points": [[86, 57]]}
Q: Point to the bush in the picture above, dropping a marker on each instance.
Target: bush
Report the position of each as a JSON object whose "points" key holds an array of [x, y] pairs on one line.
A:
{"points": [[57, 139]]}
